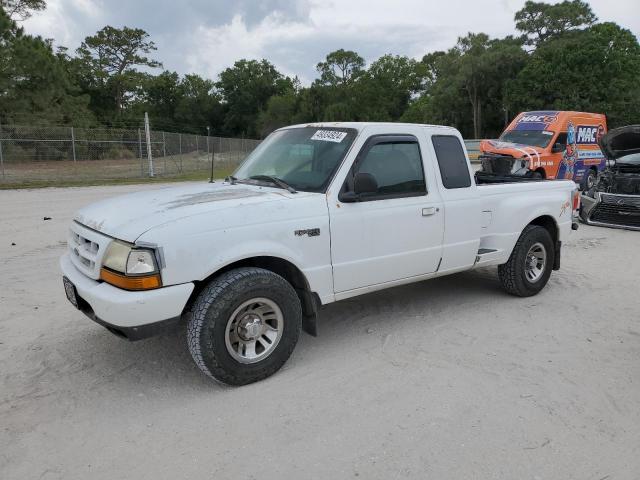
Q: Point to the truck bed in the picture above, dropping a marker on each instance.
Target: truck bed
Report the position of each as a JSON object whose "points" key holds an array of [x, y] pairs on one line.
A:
{"points": [[484, 178]]}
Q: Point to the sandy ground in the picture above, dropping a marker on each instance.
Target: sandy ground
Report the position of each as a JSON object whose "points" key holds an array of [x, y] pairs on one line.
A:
{"points": [[449, 378]]}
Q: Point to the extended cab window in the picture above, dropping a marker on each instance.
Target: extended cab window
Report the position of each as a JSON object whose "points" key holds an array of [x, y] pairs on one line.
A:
{"points": [[395, 163], [452, 161]]}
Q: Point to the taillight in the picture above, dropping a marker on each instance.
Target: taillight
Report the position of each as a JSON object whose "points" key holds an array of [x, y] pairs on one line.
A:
{"points": [[576, 200]]}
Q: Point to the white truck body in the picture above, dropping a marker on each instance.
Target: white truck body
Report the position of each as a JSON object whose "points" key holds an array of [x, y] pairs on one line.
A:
{"points": [[341, 249]]}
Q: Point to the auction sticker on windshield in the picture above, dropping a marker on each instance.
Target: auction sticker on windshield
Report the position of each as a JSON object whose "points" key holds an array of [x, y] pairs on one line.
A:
{"points": [[329, 136]]}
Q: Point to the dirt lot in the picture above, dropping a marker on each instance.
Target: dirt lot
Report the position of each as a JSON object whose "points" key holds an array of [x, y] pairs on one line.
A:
{"points": [[449, 378]]}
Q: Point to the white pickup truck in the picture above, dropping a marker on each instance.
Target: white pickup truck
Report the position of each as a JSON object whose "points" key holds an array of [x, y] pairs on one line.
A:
{"points": [[316, 214]]}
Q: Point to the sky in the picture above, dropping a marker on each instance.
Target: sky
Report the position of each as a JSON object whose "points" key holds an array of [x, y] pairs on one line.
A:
{"points": [[207, 36]]}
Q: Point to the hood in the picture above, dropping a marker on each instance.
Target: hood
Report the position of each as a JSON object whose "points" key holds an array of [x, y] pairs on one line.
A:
{"points": [[620, 142], [128, 216], [515, 150]]}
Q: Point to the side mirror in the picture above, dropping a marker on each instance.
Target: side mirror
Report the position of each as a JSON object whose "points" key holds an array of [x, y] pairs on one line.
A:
{"points": [[557, 148], [364, 183]]}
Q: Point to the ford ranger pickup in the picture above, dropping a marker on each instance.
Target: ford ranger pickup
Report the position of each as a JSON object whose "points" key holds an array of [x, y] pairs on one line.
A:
{"points": [[316, 214]]}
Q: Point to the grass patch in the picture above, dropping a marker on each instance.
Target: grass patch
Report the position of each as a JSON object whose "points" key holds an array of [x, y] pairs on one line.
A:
{"points": [[89, 182]]}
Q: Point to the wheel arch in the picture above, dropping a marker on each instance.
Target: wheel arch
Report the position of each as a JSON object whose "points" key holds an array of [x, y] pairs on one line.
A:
{"points": [[309, 300], [549, 223]]}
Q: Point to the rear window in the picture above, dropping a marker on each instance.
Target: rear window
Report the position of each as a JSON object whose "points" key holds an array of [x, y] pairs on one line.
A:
{"points": [[452, 161]]}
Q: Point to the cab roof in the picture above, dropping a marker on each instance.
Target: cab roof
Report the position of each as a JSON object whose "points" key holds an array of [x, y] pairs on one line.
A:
{"points": [[362, 125]]}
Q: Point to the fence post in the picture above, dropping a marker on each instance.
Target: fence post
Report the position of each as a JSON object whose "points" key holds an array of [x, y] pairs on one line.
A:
{"points": [[73, 144], [164, 152], [1, 158], [140, 152], [210, 179], [180, 146], [147, 134]]}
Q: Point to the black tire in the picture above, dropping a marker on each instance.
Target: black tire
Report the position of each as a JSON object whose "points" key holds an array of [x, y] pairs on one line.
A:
{"points": [[588, 180], [513, 274], [210, 314]]}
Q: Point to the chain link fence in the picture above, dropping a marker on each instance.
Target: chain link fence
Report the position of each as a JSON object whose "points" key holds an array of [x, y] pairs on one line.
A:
{"points": [[60, 155], [54, 155]]}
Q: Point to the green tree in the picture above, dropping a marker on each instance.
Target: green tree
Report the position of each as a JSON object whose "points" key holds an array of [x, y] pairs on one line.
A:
{"points": [[27, 64], [19, 10], [466, 86], [199, 104], [161, 94], [280, 111], [594, 70], [336, 89], [341, 67], [384, 90], [539, 21], [246, 89], [107, 63], [443, 100]]}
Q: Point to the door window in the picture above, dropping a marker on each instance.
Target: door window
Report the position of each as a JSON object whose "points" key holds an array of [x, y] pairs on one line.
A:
{"points": [[396, 164], [561, 140]]}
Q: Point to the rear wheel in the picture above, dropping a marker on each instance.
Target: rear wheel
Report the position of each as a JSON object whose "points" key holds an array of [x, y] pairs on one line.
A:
{"points": [[588, 180], [244, 325], [529, 267]]}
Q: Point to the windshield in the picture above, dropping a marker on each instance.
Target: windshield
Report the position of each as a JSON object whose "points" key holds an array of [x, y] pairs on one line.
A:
{"points": [[534, 138], [632, 158], [304, 158]]}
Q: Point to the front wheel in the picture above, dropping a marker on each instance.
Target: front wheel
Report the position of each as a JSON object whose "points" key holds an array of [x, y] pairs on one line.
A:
{"points": [[528, 269], [244, 325]]}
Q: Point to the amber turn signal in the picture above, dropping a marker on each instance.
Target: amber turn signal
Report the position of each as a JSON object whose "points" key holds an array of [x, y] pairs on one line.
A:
{"points": [[141, 282]]}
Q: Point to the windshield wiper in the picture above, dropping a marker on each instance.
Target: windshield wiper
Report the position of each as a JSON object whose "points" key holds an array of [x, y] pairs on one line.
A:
{"points": [[275, 180]]}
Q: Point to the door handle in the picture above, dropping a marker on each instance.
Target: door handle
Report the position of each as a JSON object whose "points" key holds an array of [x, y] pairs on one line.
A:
{"points": [[426, 212]]}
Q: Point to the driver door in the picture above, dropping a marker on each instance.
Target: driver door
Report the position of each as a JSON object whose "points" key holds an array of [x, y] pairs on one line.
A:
{"points": [[395, 233]]}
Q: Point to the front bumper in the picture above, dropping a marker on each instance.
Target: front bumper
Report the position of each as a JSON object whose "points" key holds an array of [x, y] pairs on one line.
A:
{"points": [[133, 315], [611, 210]]}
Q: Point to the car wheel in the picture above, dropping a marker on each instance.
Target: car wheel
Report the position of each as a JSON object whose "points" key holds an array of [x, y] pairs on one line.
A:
{"points": [[244, 325], [588, 180], [529, 266]]}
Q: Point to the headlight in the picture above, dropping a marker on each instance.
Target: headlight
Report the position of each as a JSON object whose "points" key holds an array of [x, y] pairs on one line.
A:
{"points": [[141, 262], [129, 267]]}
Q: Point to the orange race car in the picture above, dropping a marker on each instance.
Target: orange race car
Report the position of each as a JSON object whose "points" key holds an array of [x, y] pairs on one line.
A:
{"points": [[548, 144]]}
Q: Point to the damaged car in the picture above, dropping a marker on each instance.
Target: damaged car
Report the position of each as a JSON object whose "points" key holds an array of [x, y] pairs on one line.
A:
{"points": [[615, 199]]}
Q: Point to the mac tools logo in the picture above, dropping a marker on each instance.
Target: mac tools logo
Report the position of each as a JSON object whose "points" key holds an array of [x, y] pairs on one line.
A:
{"points": [[587, 134], [538, 118]]}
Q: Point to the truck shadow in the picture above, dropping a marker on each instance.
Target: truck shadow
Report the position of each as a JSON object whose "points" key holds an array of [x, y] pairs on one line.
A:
{"points": [[164, 363]]}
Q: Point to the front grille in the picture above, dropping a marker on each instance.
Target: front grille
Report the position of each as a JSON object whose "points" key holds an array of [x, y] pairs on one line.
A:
{"points": [[86, 249], [618, 210], [626, 200]]}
